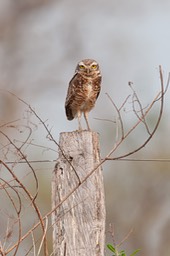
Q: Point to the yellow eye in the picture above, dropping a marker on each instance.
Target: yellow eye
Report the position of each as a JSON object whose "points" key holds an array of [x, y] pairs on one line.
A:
{"points": [[94, 66], [81, 66]]}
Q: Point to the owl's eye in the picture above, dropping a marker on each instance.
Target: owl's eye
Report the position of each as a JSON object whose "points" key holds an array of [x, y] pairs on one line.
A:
{"points": [[93, 66], [81, 67]]}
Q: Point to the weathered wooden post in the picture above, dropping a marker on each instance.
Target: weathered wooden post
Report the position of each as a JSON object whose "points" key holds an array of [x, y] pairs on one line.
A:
{"points": [[79, 222]]}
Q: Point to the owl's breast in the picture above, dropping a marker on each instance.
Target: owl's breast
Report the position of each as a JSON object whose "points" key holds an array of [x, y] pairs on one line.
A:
{"points": [[88, 97], [88, 90]]}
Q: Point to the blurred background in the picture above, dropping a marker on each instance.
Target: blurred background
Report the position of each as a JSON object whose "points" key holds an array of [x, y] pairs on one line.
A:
{"points": [[40, 44]]}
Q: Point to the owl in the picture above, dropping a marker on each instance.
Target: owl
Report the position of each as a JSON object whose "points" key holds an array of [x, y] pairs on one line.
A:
{"points": [[83, 90]]}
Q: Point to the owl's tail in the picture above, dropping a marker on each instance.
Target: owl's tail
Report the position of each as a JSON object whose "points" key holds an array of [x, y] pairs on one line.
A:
{"points": [[69, 113]]}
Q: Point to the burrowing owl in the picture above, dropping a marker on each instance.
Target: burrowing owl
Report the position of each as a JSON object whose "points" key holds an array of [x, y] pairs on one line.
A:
{"points": [[83, 90]]}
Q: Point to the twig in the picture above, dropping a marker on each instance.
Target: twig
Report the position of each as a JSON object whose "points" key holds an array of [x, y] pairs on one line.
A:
{"points": [[33, 202], [119, 115], [139, 121], [142, 117], [49, 134]]}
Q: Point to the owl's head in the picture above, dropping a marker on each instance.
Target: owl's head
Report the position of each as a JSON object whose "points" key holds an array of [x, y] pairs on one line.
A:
{"points": [[88, 68]]}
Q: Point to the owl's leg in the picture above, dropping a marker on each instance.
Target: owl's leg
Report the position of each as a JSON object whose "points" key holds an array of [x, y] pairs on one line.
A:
{"points": [[86, 118], [79, 118]]}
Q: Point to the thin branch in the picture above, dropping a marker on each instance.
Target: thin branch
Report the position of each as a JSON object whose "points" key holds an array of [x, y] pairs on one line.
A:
{"points": [[11, 122], [119, 115], [124, 102], [30, 161], [141, 160], [23, 157], [142, 117], [105, 120], [18, 214], [112, 233], [33, 242], [125, 238], [33, 202], [37, 145], [121, 159], [49, 134], [44, 235], [139, 121]]}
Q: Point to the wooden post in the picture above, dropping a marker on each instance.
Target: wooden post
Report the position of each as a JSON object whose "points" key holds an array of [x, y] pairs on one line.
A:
{"points": [[79, 222]]}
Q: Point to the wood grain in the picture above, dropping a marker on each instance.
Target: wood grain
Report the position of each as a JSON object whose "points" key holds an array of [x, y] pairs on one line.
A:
{"points": [[79, 223]]}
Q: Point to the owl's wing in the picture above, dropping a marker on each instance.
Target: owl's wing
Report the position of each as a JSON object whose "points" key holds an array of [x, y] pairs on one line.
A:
{"points": [[98, 86], [70, 98]]}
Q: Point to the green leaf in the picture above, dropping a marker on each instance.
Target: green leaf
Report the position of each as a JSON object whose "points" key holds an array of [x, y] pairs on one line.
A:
{"points": [[122, 253], [111, 248], [135, 252]]}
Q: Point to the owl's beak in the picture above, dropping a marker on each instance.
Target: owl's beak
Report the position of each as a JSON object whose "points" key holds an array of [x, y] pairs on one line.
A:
{"points": [[88, 71]]}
